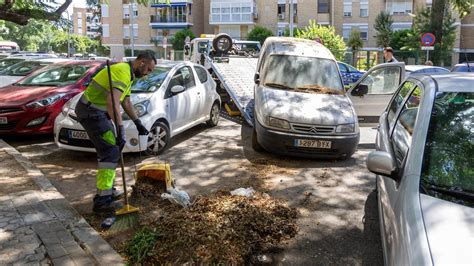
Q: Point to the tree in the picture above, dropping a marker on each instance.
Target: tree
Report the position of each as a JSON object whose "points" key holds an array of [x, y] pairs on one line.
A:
{"points": [[82, 44], [383, 26], [179, 37], [438, 17], [399, 39], [355, 42], [259, 34], [34, 36], [21, 11], [331, 40]]}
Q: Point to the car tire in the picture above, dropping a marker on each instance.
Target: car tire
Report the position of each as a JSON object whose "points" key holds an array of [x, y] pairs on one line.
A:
{"points": [[159, 138], [214, 115], [222, 43], [255, 145]]}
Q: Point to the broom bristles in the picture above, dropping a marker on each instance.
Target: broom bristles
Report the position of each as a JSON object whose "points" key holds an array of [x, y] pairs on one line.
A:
{"points": [[125, 222]]}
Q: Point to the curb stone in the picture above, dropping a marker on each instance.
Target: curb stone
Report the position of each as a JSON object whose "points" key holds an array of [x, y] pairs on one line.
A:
{"points": [[65, 234]]}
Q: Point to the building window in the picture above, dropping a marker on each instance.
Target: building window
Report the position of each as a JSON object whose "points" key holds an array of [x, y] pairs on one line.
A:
{"points": [[135, 10], [323, 6], [364, 34], [104, 11], [105, 30], [135, 31], [126, 32], [126, 11], [347, 8], [346, 32], [281, 11], [364, 9], [399, 8]]}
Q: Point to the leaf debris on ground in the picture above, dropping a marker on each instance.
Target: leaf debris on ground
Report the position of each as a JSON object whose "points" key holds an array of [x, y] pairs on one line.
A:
{"points": [[217, 228]]}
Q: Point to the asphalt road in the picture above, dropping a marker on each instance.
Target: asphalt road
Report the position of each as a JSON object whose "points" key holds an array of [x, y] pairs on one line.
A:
{"points": [[338, 211]]}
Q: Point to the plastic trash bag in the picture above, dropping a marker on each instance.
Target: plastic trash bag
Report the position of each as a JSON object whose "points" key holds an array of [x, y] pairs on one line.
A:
{"points": [[180, 197], [246, 192]]}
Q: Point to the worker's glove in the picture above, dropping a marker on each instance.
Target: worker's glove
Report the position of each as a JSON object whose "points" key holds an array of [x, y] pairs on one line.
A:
{"points": [[141, 129], [121, 138]]}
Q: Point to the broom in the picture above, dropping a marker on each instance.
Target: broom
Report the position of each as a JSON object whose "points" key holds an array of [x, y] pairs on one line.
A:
{"points": [[127, 216]]}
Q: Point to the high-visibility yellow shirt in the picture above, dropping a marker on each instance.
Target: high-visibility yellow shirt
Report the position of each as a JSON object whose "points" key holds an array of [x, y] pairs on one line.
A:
{"points": [[98, 89]]}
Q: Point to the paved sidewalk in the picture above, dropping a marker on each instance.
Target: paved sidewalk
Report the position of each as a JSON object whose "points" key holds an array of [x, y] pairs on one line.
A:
{"points": [[37, 224]]}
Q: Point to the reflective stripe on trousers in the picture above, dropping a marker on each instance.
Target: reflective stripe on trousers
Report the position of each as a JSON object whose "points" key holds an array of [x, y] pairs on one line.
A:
{"points": [[102, 134]]}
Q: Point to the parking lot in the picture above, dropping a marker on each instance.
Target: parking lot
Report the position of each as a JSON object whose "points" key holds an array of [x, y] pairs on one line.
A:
{"points": [[338, 219]]}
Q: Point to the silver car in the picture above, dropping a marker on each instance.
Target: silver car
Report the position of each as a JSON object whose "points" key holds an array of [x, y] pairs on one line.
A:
{"points": [[301, 108], [425, 171]]}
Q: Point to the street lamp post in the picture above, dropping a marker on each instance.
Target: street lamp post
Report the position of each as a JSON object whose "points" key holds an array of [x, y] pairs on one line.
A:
{"points": [[132, 33], [68, 33], [291, 18]]}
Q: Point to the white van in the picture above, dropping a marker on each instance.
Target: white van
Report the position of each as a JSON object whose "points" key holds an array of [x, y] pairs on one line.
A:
{"points": [[301, 107]]}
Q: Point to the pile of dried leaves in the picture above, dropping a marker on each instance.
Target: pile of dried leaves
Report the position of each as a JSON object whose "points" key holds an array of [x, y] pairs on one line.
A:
{"points": [[219, 228]]}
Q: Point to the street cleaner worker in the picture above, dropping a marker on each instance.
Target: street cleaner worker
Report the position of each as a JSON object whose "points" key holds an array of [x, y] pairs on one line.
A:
{"points": [[95, 111]]}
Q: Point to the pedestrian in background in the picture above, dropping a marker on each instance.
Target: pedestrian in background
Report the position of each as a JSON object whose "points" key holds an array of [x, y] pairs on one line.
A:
{"points": [[388, 55]]}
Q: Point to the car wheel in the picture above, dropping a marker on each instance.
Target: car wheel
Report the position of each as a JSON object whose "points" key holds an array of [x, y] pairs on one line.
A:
{"points": [[214, 115], [158, 139], [255, 145]]}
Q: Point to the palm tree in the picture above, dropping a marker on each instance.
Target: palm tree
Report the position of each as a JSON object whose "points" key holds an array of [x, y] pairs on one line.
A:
{"points": [[383, 26]]}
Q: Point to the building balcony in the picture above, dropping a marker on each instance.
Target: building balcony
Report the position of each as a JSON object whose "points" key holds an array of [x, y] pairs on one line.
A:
{"points": [[173, 3], [178, 22], [239, 18]]}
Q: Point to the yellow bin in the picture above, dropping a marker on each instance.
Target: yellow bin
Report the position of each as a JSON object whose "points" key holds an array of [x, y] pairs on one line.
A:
{"points": [[158, 171]]}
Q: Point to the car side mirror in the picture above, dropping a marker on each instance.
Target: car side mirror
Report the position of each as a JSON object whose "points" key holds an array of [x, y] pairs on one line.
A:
{"points": [[360, 90], [256, 78], [381, 163], [177, 89]]}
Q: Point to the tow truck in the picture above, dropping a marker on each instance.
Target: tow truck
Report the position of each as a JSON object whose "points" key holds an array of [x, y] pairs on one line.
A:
{"points": [[232, 64]]}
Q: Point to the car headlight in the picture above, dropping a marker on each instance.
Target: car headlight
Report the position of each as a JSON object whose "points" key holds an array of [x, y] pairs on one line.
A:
{"points": [[141, 109], [347, 128], [66, 107], [46, 101], [278, 123]]}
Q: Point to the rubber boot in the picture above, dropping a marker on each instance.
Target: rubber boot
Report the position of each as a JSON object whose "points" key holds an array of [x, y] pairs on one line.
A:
{"points": [[105, 204]]}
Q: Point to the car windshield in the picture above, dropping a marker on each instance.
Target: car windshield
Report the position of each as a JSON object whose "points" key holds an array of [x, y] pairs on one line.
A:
{"points": [[249, 47], [23, 68], [352, 69], [4, 63], [57, 76], [463, 68], [448, 171], [152, 81], [302, 74]]}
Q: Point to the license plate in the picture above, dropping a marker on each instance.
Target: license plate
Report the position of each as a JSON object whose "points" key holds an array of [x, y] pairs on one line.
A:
{"points": [[3, 121], [74, 134], [310, 143]]}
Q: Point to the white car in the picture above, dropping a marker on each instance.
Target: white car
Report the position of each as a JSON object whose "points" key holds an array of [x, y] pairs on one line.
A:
{"points": [[19, 70], [301, 108], [175, 97]]}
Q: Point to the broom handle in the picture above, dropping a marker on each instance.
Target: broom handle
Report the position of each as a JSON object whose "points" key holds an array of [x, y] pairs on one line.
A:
{"points": [[119, 134]]}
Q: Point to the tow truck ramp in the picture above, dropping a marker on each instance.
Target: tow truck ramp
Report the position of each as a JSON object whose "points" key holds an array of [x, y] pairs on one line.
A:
{"points": [[236, 76]]}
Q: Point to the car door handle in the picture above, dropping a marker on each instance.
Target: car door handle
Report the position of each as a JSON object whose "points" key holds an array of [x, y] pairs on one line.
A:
{"points": [[199, 93]]}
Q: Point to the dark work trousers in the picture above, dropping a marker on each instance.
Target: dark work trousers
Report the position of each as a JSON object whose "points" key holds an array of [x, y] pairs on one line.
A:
{"points": [[101, 132]]}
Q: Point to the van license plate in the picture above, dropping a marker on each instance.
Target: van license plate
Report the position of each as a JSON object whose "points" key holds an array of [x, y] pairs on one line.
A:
{"points": [[3, 121], [310, 143], [74, 134]]}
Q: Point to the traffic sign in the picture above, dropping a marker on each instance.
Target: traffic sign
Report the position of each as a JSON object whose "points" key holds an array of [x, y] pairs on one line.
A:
{"points": [[428, 39], [427, 48]]}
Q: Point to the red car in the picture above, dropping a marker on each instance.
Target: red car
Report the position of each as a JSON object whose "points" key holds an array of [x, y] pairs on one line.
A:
{"points": [[31, 105]]}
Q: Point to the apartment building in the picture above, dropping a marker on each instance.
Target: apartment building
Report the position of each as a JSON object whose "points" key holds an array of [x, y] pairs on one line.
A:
{"points": [[153, 25], [126, 24], [86, 22]]}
